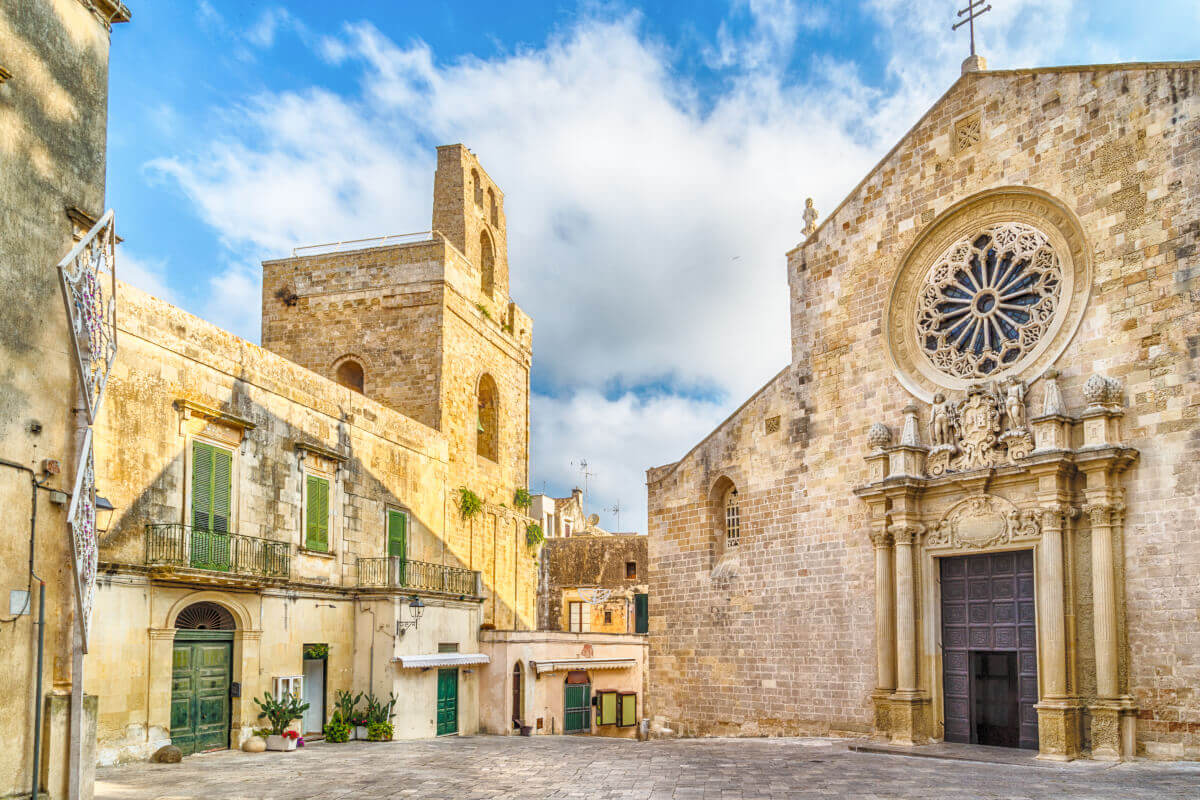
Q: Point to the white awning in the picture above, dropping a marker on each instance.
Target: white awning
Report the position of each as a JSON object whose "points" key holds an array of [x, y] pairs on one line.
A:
{"points": [[427, 660], [543, 667]]}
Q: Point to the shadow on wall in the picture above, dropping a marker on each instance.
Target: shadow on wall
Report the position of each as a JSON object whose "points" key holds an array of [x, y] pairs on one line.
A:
{"points": [[267, 465]]}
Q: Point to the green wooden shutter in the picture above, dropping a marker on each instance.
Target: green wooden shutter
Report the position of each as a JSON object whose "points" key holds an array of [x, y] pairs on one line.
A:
{"points": [[222, 483], [628, 714], [202, 458], [641, 613], [397, 534], [316, 535], [606, 711]]}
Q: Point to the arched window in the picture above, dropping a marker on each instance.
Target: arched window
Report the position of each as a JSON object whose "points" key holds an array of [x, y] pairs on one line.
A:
{"points": [[733, 519], [350, 375], [205, 616], [487, 264], [476, 188], [492, 210], [487, 434]]}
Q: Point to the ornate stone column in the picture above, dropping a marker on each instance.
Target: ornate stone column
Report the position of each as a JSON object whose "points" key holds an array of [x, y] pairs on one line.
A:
{"points": [[1058, 724], [909, 708], [885, 630]]}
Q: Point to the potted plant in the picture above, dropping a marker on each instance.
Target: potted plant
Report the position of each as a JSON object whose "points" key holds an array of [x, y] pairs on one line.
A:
{"points": [[378, 718], [341, 725], [280, 713], [360, 728]]}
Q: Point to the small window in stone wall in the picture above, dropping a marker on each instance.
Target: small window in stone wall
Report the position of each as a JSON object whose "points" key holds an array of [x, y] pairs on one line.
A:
{"points": [[350, 374], [630, 570], [968, 132], [733, 519], [772, 425]]}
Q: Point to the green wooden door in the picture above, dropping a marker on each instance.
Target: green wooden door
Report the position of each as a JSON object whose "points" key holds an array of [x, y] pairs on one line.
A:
{"points": [[447, 701], [641, 613], [577, 708], [212, 490], [200, 695]]}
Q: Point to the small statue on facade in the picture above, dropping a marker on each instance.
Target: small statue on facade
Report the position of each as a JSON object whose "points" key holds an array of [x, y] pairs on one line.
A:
{"points": [[1014, 404], [941, 430], [810, 218], [1017, 439]]}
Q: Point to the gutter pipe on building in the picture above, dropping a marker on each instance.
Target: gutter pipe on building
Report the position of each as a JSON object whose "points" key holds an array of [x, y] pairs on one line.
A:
{"points": [[35, 771]]}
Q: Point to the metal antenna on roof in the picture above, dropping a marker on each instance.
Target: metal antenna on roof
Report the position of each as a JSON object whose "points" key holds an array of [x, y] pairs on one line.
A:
{"points": [[582, 466], [615, 508], [972, 11]]}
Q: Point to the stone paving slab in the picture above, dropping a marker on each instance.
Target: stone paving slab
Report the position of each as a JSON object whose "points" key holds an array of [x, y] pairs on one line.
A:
{"points": [[496, 767]]}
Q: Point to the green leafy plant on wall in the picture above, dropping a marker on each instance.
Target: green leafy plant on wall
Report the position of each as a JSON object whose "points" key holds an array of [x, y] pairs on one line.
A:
{"points": [[484, 310], [522, 500], [534, 535], [316, 650], [470, 505]]}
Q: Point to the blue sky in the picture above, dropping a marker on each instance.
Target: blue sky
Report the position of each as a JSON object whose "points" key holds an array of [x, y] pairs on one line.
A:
{"points": [[655, 159]]}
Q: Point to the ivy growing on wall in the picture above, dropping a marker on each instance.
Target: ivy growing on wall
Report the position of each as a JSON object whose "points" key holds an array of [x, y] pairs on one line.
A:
{"points": [[534, 535], [522, 500]]}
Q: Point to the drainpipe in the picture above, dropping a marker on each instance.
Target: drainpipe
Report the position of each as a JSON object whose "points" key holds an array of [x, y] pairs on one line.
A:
{"points": [[35, 776]]}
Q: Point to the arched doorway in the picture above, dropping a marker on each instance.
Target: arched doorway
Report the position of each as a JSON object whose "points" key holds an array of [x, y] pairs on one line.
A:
{"points": [[518, 692], [201, 669], [577, 702]]}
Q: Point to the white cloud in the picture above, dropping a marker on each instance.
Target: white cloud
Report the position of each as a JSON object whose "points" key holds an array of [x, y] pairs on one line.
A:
{"points": [[149, 275], [648, 229], [619, 439], [262, 33]]}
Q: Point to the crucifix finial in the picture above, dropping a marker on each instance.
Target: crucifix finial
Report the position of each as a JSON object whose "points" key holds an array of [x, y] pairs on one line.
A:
{"points": [[975, 8]]}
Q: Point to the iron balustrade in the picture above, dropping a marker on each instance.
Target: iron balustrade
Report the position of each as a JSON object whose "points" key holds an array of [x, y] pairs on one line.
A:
{"points": [[178, 545], [403, 573]]}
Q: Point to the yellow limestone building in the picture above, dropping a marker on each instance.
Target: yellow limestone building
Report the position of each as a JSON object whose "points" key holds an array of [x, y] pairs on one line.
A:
{"points": [[967, 509], [280, 509]]}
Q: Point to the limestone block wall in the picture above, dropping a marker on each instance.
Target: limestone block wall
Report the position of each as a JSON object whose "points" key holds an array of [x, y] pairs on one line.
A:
{"points": [[263, 405], [380, 306], [1118, 147], [53, 120]]}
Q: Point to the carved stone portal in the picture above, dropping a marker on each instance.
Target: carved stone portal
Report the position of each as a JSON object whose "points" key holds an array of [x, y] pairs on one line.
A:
{"points": [[983, 521]]}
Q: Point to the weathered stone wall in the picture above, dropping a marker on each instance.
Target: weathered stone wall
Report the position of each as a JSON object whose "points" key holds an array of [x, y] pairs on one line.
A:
{"points": [[168, 357], [788, 644], [381, 307], [591, 561], [53, 118]]}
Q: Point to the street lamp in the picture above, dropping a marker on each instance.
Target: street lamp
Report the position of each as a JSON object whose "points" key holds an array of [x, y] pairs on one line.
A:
{"points": [[104, 513], [415, 609]]}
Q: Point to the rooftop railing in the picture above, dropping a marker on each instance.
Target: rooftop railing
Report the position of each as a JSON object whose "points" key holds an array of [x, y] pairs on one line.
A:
{"points": [[178, 545], [401, 573]]}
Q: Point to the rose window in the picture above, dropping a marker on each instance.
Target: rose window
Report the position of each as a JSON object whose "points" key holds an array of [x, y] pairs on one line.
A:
{"points": [[988, 300]]}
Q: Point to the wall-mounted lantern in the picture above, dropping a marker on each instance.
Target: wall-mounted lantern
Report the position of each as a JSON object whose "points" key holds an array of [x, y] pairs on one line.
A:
{"points": [[104, 514], [415, 609]]}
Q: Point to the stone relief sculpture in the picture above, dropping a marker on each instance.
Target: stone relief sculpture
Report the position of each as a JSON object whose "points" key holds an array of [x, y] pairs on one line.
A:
{"points": [[983, 520]]}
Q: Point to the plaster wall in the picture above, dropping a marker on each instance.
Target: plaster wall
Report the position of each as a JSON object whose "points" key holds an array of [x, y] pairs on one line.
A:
{"points": [[53, 116]]}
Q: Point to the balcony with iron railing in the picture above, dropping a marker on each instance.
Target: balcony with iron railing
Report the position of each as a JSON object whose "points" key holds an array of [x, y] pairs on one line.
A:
{"points": [[179, 546], [402, 573]]}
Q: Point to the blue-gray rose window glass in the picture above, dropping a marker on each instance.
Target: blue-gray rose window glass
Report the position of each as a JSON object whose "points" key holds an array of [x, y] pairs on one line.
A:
{"points": [[988, 301]]}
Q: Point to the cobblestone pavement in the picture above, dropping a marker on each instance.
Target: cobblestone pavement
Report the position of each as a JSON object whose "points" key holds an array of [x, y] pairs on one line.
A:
{"points": [[466, 768]]}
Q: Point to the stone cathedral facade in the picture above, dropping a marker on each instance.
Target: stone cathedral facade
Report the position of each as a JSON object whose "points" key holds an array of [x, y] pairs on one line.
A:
{"points": [[969, 508]]}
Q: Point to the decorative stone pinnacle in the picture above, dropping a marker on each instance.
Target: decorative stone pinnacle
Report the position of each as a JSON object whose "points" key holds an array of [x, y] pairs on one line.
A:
{"points": [[879, 436], [810, 218], [910, 434], [974, 63]]}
